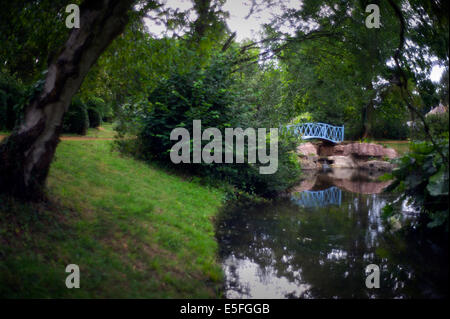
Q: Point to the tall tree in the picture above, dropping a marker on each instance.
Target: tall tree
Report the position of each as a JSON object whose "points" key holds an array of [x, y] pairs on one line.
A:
{"points": [[26, 154], [338, 76], [342, 70]]}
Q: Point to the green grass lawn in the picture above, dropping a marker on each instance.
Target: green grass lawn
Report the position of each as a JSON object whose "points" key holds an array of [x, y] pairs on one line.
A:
{"points": [[135, 231]]}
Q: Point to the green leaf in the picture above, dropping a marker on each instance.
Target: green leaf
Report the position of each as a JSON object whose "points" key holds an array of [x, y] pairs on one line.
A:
{"points": [[438, 184], [387, 211], [413, 180], [438, 219]]}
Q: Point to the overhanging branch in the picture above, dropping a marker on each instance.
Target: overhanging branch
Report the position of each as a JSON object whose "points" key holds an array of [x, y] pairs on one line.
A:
{"points": [[403, 83]]}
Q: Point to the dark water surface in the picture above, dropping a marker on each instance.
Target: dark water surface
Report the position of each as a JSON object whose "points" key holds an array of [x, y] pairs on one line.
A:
{"points": [[317, 242]]}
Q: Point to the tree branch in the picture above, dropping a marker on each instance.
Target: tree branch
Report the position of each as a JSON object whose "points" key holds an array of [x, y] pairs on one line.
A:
{"points": [[228, 42]]}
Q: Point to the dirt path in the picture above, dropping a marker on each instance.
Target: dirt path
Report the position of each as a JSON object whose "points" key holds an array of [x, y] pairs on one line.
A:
{"points": [[85, 138]]}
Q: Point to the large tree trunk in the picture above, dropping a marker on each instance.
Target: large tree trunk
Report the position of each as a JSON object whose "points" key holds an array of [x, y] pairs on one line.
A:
{"points": [[25, 156]]}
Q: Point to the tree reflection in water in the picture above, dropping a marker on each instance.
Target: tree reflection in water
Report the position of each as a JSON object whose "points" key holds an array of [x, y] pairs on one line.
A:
{"points": [[284, 250]]}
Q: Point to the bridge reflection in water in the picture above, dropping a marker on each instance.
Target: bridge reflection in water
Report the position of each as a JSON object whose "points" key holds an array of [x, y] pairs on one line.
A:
{"points": [[322, 198]]}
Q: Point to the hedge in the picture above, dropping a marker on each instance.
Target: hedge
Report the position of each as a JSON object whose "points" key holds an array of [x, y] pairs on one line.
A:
{"points": [[95, 119], [76, 120]]}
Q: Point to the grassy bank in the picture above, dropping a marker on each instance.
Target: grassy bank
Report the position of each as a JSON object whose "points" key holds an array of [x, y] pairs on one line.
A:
{"points": [[134, 230], [402, 147]]}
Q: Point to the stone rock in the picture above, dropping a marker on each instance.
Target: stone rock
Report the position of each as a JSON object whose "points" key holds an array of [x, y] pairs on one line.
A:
{"points": [[357, 149], [307, 149], [330, 150], [376, 165], [390, 153], [339, 149], [310, 162], [368, 150], [339, 161], [353, 155]]}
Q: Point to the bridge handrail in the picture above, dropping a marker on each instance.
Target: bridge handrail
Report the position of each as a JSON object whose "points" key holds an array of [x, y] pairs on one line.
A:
{"points": [[315, 123], [325, 131]]}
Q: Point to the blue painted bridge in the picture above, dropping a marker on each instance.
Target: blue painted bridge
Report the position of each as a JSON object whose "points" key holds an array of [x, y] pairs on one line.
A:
{"points": [[326, 197], [322, 131]]}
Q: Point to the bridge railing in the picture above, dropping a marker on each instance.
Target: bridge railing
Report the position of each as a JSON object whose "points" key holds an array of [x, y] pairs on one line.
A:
{"points": [[319, 130]]}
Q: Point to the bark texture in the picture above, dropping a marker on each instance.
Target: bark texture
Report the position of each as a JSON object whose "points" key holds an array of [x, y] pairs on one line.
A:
{"points": [[26, 155]]}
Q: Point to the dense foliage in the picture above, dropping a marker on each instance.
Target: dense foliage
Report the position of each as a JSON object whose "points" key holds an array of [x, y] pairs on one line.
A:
{"points": [[101, 107], [31, 32], [12, 95], [206, 95], [438, 125], [341, 72], [95, 119], [423, 178], [76, 120]]}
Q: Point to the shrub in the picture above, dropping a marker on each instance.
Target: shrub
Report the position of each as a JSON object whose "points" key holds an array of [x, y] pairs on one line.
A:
{"points": [[438, 123], [422, 177], [206, 95], [104, 109], [182, 98], [95, 119], [390, 129], [76, 119], [12, 96]]}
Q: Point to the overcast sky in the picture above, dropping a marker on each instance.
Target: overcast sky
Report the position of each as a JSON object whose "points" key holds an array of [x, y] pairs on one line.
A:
{"points": [[248, 27]]}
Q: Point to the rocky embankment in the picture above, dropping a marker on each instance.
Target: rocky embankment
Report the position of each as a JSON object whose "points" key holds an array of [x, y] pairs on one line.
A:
{"points": [[365, 156]]}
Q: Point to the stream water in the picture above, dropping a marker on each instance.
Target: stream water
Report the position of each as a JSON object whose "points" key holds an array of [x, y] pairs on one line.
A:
{"points": [[318, 241]]}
